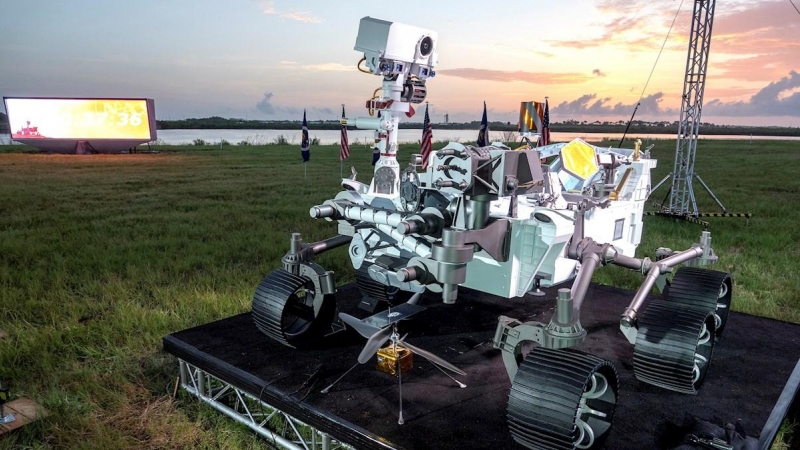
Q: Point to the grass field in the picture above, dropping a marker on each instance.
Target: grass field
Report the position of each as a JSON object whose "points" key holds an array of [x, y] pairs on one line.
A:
{"points": [[101, 256]]}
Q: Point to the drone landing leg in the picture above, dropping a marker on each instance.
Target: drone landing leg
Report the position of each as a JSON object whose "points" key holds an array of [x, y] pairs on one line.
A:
{"points": [[460, 384], [400, 420], [328, 389]]}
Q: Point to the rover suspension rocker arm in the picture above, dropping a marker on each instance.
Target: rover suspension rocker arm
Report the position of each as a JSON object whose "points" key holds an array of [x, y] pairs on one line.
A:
{"points": [[299, 260], [564, 328], [592, 255]]}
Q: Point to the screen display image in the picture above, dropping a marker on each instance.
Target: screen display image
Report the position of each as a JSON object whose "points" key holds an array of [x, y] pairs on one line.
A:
{"points": [[49, 118]]}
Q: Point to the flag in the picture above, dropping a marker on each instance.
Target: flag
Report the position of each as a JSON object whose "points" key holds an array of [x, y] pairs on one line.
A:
{"points": [[427, 138], [483, 134], [537, 119], [344, 152], [376, 155], [546, 124], [305, 147]]}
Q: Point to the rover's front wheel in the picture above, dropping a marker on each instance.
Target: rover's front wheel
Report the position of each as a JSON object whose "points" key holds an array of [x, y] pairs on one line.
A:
{"points": [[290, 309]]}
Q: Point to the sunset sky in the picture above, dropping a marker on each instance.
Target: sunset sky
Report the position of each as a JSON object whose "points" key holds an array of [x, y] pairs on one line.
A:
{"points": [[270, 59]]}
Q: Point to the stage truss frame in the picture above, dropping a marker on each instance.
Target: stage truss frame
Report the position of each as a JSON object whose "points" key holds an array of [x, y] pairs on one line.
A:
{"points": [[278, 427]]}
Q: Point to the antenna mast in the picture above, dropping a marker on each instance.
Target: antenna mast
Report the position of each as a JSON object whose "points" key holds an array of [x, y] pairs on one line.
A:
{"points": [[682, 201]]}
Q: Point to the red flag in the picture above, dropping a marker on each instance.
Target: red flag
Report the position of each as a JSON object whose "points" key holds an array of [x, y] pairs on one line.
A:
{"points": [[427, 138]]}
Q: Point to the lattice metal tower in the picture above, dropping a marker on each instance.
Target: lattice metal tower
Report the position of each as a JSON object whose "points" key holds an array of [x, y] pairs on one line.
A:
{"points": [[682, 199]]}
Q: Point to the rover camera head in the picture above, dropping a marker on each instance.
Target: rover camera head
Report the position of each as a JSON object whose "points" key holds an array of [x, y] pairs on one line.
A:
{"points": [[395, 48]]}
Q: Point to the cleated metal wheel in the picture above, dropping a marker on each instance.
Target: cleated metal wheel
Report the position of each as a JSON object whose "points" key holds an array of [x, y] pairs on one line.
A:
{"points": [[376, 290], [288, 309], [704, 289], [674, 346], [562, 399]]}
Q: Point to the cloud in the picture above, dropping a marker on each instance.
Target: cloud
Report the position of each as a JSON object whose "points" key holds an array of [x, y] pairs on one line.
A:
{"points": [[268, 8], [508, 76], [265, 105], [636, 26], [302, 16], [747, 35], [590, 105], [779, 98], [544, 54], [598, 73], [756, 43], [322, 67]]}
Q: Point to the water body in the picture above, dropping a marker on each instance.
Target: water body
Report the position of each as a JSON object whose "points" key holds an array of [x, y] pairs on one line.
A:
{"points": [[364, 137]]}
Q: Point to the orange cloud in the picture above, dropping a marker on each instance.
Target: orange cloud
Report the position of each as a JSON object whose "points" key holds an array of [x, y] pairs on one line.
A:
{"points": [[761, 41], [634, 26], [518, 75]]}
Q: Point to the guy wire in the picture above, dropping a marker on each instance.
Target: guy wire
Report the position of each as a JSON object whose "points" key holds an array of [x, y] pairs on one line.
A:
{"points": [[651, 74]]}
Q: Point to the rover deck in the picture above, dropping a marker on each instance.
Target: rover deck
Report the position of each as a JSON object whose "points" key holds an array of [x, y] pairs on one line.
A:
{"points": [[751, 365]]}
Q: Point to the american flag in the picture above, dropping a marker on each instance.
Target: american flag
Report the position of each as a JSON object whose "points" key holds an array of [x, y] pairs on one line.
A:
{"points": [[344, 153], [546, 124], [305, 146], [427, 138]]}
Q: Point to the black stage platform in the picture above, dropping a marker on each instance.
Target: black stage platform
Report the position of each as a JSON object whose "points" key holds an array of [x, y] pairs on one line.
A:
{"points": [[751, 364]]}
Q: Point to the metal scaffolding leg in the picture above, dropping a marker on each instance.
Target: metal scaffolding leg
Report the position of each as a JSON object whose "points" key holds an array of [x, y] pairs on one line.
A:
{"points": [[281, 429], [708, 189]]}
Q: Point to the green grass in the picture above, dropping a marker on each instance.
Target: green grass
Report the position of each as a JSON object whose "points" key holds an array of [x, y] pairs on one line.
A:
{"points": [[101, 256]]}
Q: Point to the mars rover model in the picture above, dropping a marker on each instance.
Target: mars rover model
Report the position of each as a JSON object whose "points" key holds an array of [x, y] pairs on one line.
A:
{"points": [[500, 221]]}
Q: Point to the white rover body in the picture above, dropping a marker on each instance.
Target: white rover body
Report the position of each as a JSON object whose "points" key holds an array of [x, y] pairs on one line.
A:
{"points": [[500, 221], [540, 228]]}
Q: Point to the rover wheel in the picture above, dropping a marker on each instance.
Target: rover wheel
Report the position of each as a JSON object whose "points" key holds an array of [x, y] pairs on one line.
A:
{"points": [[562, 399], [284, 309], [378, 291], [704, 289], [674, 346]]}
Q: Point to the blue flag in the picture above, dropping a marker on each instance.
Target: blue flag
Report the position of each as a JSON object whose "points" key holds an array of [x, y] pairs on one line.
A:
{"points": [[376, 155], [483, 134], [305, 146], [376, 152]]}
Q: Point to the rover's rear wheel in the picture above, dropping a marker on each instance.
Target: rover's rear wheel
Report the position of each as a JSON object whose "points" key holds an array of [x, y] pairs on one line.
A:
{"points": [[674, 346], [704, 289], [562, 399], [284, 309]]}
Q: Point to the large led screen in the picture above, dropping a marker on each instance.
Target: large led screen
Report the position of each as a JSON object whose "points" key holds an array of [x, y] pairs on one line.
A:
{"points": [[81, 119]]}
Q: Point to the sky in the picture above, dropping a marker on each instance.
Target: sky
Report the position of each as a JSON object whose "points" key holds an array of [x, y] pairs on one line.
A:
{"points": [[270, 60]]}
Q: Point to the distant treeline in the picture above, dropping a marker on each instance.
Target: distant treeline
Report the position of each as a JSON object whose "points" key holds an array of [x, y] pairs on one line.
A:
{"points": [[637, 126]]}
